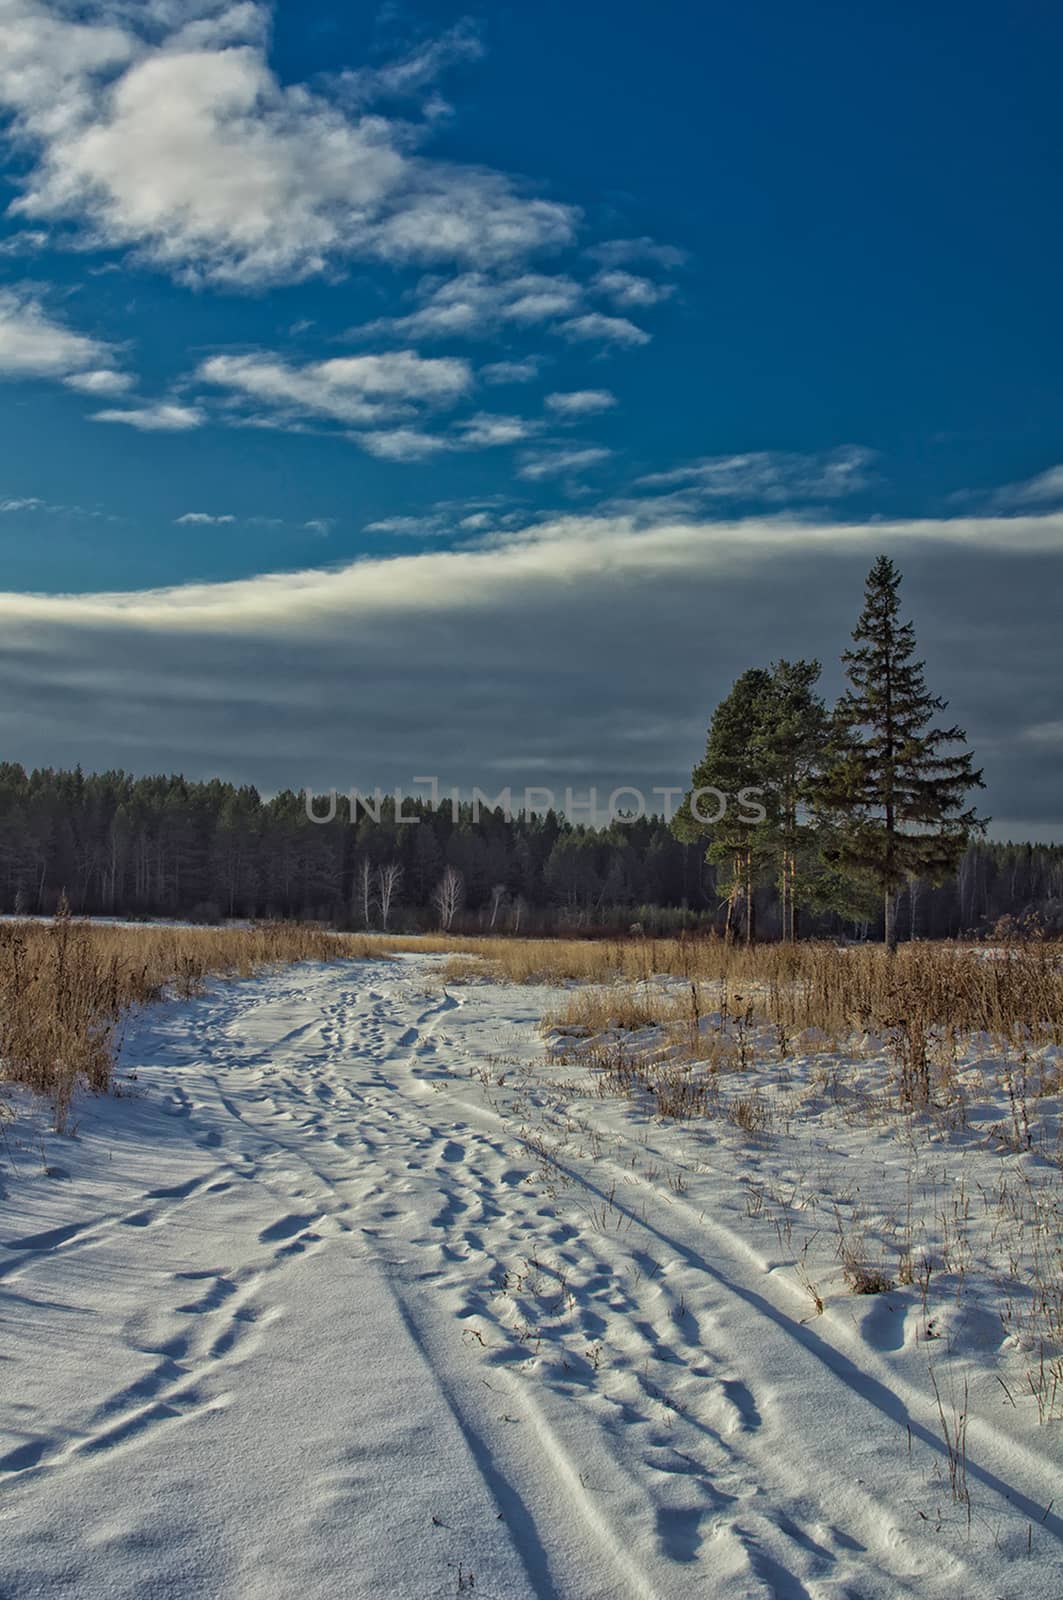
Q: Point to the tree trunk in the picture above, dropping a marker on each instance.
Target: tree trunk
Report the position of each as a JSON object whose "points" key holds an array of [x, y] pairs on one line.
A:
{"points": [[751, 931], [890, 920]]}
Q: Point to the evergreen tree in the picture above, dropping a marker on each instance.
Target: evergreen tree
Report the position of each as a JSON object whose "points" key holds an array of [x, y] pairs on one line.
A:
{"points": [[733, 762], [895, 795], [788, 743]]}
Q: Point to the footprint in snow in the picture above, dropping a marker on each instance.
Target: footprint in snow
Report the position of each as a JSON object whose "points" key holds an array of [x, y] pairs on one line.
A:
{"points": [[285, 1227]]}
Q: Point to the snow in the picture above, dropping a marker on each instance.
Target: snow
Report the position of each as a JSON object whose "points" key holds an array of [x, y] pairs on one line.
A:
{"points": [[355, 1289]]}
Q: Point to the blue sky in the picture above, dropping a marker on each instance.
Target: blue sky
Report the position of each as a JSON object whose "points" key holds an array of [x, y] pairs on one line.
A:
{"points": [[606, 332]]}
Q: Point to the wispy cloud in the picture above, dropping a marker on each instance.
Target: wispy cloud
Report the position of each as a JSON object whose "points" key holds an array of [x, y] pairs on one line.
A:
{"points": [[628, 291], [771, 476], [581, 402], [352, 389], [476, 304], [412, 73], [605, 330], [411, 527], [485, 430], [100, 382], [35, 344], [449, 517], [221, 519], [524, 371], [1046, 489], [401, 444], [558, 463], [27, 503], [25, 242], [162, 416], [182, 143], [35, 505], [616, 252]]}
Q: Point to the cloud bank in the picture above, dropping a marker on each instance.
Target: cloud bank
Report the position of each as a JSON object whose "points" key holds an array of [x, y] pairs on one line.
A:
{"points": [[583, 649]]}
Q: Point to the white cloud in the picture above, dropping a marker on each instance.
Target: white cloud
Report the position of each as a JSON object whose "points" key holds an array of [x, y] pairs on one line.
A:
{"points": [[628, 291], [186, 146], [1044, 490], [401, 444], [100, 381], [772, 476], [351, 389], [608, 330], [207, 518], [26, 242], [555, 463], [474, 304], [408, 76], [410, 527], [33, 503], [581, 402], [556, 551], [36, 345], [615, 252], [485, 430], [511, 371], [448, 516], [162, 416]]}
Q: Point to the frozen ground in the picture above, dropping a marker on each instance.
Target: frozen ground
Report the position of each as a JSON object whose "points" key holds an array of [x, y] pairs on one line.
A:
{"points": [[350, 1294]]}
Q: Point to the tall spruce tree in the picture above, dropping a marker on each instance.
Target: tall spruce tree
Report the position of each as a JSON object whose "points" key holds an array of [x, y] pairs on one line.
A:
{"points": [[894, 799]]}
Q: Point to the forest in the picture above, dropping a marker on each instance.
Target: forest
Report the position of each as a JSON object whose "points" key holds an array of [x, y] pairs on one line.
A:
{"points": [[119, 845]]}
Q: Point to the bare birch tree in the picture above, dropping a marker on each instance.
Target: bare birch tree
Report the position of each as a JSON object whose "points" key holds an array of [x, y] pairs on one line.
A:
{"points": [[448, 896], [388, 883], [363, 890]]}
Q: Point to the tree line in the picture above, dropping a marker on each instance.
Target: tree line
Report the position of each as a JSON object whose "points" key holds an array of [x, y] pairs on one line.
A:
{"points": [[120, 845]]}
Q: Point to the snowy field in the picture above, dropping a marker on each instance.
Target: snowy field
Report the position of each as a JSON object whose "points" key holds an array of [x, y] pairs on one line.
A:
{"points": [[356, 1290]]}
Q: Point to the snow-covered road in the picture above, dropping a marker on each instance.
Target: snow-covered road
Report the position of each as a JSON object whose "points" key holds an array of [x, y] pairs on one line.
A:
{"points": [[344, 1298]]}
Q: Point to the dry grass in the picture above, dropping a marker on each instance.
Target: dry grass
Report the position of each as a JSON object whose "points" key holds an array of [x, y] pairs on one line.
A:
{"points": [[1013, 994], [918, 1005], [65, 985], [1005, 991]]}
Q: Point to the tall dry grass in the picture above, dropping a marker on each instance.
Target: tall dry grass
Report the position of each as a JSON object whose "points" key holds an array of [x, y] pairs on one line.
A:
{"points": [[1013, 996], [65, 986], [1012, 993]]}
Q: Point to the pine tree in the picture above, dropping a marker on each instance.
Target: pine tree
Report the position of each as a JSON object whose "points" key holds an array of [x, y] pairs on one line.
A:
{"points": [[895, 796], [787, 745], [733, 762]]}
